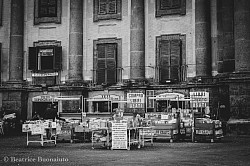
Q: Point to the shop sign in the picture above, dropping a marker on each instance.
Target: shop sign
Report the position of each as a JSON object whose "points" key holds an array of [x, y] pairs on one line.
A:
{"points": [[44, 74], [44, 98], [199, 99], [119, 136], [136, 100], [169, 96], [105, 97]]}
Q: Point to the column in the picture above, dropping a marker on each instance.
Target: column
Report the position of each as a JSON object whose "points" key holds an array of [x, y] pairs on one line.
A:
{"points": [[202, 38], [75, 72], [16, 41], [226, 58], [214, 37], [242, 35], [137, 40]]}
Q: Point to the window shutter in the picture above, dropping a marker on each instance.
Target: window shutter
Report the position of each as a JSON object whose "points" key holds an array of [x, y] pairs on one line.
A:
{"points": [[101, 51], [165, 4], [176, 3], [100, 73], [175, 59], [102, 7], [183, 7], [111, 63], [112, 6], [164, 60], [111, 71], [57, 58], [32, 58]]}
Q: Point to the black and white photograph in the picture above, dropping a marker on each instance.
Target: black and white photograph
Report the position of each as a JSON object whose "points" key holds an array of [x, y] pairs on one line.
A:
{"points": [[125, 82]]}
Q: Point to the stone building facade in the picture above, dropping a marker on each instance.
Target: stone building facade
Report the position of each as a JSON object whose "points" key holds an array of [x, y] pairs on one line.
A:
{"points": [[123, 49]]}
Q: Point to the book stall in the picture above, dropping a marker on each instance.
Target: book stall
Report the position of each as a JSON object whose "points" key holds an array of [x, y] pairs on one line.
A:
{"points": [[71, 130], [184, 118], [118, 132], [41, 131], [170, 122]]}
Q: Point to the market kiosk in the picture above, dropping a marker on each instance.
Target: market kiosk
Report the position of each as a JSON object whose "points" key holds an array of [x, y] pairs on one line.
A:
{"points": [[69, 127], [167, 122]]}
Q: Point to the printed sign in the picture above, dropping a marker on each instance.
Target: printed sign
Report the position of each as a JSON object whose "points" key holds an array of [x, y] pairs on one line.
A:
{"points": [[119, 136], [136, 100], [44, 98], [199, 99], [37, 129]]}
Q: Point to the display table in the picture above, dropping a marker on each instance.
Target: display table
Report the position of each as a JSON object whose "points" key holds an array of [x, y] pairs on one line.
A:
{"points": [[101, 135], [43, 139], [146, 134], [41, 132]]}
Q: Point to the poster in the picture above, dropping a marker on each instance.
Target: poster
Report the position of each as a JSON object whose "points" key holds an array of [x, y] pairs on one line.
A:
{"points": [[119, 136]]}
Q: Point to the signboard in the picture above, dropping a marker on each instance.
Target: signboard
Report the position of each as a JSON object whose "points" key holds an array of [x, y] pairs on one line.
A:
{"points": [[136, 100], [119, 136], [200, 99], [45, 74], [106, 97], [169, 96], [44, 98], [37, 128]]}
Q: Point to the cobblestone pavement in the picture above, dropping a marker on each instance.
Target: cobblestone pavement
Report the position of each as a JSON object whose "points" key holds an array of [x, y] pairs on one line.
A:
{"points": [[231, 150]]}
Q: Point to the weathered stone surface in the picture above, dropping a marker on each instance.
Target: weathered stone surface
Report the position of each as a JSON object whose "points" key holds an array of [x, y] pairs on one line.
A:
{"points": [[137, 39], [202, 38], [16, 41], [76, 41]]}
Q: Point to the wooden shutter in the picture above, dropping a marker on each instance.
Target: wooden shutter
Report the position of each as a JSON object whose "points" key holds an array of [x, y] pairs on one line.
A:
{"points": [[102, 7], [175, 59], [112, 6], [164, 4], [57, 58], [164, 60], [100, 72], [32, 58], [100, 51], [101, 64], [111, 63], [183, 7], [176, 4]]}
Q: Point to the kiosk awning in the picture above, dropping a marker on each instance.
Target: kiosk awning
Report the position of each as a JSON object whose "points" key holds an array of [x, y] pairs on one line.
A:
{"points": [[68, 97]]}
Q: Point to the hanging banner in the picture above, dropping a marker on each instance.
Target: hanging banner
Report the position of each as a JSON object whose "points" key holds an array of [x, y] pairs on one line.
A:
{"points": [[119, 136]]}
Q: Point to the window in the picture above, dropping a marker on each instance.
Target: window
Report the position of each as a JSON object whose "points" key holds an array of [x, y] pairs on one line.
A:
{"points": [[1, 11], [47, 8], [171, 58], [45, 58], [107, 61], [47, 11], [107, 9], [169, 7]]}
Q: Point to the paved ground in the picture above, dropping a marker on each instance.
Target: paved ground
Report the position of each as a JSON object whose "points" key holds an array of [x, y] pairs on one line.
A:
{"points": [[231, 151]]}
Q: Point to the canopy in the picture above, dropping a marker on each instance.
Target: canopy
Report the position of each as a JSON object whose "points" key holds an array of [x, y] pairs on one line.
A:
{"points": [[68, 97]]}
